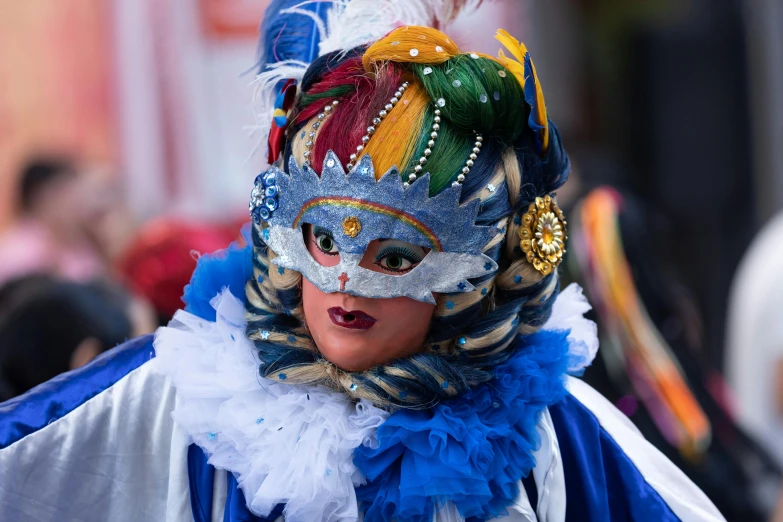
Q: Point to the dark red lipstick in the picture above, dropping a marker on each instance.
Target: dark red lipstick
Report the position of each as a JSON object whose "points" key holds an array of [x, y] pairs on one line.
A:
{"points": [[355, 319]]}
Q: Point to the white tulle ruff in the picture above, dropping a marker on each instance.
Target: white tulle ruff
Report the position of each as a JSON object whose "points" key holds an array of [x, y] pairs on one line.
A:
{"points": [[285, 444], [568, 314]]}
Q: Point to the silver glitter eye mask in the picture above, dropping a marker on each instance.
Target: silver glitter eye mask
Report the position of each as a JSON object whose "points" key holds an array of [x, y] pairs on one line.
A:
{"points": [[357, 209]]}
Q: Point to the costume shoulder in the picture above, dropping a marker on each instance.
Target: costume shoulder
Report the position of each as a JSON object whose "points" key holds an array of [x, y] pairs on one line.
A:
{"points": [[612, 472], [92, 444]]}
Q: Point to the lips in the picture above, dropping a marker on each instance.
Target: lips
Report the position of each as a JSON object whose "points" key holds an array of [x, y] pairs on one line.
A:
{"points": [[354, 320]]}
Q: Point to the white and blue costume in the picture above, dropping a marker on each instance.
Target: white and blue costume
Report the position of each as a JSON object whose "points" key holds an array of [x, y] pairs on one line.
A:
{"points": [[180, 427]]}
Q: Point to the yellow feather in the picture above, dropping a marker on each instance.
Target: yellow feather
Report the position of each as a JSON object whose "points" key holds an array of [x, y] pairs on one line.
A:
{"points": [[517, 68]]}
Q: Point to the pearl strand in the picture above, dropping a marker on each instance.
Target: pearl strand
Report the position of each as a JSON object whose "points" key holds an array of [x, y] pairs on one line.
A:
{"points": [[423, 160], [317, 123], [469, 162], [375, 122]]}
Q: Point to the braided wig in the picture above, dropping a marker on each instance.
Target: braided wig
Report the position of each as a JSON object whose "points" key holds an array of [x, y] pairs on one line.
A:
{"points": [[520, 160]]}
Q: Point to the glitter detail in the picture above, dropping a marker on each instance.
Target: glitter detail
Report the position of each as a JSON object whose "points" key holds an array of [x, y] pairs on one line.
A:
{"points": [[456, 83], [212, 436], [496, 405], [449, 305], [353, 387], [265, 335], [265, 234], [462, 286], [414, 52], [438, 49], [441, 102], [487, 266], [491, 188], [395, 43], [427, 70], [328, 472], [259, 420], [502, 73], [462, 341], [330, 162], [483, 98], [496, 95], [474, 56]]}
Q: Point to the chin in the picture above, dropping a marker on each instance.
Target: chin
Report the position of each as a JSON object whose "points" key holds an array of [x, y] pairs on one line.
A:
{"points": [[349, 352]]}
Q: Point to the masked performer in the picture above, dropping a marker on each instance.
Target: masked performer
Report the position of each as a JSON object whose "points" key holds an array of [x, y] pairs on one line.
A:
{"points": [[391, 345]]}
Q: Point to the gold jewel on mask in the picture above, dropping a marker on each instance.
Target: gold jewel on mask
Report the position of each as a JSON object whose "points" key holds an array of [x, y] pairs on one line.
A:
{"points": [[543, 234], [352, 226]]}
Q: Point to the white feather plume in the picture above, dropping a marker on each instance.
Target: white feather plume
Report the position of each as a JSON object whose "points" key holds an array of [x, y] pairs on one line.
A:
{"points": [[350, 23], [264, 95]]}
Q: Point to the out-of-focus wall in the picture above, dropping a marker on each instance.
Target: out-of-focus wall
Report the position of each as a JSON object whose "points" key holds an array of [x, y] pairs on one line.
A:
{"points": [[55, 85]]}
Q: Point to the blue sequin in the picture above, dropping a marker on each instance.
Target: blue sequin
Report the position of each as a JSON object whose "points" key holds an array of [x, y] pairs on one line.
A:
{"points": [[260, 279], [364, 170], [353, 386], [270, 179], [265, 234], [328, 472], [264, 213], [403, 395], [518, 279], [462, 286], [271, 203], [449, 304], [291, 339], [212, 436], [517, 220], [282, 376], [259, 420], [271, 191], [280, 270], [487, 266], [483, 291], [445, 385], [462, 341]]}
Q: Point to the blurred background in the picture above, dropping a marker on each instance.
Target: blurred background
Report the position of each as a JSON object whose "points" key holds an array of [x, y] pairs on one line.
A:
{"points": [[127, 149]]}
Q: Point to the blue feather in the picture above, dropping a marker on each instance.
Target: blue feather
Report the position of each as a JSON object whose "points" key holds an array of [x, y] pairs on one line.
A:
{"points": [[289, 36], [228, 268]]}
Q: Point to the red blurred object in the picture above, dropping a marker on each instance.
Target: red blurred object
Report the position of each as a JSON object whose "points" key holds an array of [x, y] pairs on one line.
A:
{"points": [[161, 259]]}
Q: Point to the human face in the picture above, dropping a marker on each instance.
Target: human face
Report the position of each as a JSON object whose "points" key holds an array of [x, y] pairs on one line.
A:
{"points": [[357, 333]]}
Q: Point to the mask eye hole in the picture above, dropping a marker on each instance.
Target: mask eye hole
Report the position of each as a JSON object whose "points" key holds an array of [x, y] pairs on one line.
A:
{"points": [[321, 245], [393, 257]]}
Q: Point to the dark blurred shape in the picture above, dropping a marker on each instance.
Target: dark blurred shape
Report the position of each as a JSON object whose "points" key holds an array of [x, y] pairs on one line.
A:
{"points": [[162, 257], [39, 176], [48, 327]]}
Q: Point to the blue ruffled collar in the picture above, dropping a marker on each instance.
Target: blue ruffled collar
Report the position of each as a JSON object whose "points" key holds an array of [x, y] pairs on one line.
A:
{"points": [[472, 450]]}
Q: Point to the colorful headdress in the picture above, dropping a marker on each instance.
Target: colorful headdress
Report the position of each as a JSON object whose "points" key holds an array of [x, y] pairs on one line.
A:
{"points": [[400, 135]]}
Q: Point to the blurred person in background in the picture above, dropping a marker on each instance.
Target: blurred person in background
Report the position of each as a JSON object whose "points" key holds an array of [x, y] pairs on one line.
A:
{"points": [[49, 326], [58, 230]]}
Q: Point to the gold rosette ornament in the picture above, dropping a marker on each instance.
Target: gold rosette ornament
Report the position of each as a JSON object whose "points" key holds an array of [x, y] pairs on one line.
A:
{"points": [[543, 234]]}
